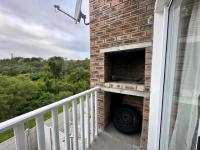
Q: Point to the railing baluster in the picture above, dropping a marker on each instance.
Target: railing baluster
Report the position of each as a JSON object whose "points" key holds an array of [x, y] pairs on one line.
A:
{"points": [[96, 113], [66, 126], [55, 132], [75, 124], [88, 120], [82, 123], [20, 137], [92, 115], [90, 125], [40, 132]]}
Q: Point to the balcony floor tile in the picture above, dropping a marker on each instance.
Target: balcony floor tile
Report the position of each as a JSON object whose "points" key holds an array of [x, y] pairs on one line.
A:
{"points": [[112, 139]]}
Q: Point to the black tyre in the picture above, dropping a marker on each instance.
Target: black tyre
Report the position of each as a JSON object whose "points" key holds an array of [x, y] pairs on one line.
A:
{"points": [[127, 120]]}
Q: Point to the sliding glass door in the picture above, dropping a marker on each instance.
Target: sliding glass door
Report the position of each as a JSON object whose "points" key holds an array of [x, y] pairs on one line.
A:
{"points": [[181, 99]]}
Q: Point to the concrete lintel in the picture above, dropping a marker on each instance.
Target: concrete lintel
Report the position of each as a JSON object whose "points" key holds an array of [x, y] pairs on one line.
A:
{"points": [[126, 47], [127, 92]]}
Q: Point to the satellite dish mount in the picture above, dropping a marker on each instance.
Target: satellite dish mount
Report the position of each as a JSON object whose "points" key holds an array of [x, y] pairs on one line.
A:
{"points": [[82, 16], [78, 13]]}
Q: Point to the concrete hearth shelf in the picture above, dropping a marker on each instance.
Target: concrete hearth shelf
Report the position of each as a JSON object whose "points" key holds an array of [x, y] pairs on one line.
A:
{"points": [[126, 47], [129, 88]]}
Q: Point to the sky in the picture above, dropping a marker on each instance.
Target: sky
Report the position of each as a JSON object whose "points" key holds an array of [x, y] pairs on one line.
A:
{"points": [[32, 28]]}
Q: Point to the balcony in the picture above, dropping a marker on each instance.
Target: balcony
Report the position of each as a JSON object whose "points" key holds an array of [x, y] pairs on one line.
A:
{"points": [[75, 128], [78, 134]]}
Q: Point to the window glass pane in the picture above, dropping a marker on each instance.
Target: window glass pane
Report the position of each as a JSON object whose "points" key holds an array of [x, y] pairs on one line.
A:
{"points": [[185, 88]]}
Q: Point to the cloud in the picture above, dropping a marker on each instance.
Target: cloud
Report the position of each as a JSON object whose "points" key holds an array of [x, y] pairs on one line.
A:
{"points": [[33, 29]]}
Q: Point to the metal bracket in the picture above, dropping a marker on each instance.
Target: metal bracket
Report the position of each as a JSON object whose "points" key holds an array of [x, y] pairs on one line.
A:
{"points": [[83, 16]]}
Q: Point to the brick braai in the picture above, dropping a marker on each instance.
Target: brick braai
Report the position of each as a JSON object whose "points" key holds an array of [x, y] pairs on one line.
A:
{"points": [[117, 23]]}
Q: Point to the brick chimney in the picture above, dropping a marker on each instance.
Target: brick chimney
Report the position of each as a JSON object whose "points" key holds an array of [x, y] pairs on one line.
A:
{"points": [[119, 28]]}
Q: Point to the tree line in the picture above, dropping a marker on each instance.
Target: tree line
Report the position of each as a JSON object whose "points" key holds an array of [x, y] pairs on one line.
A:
{"points": [[30, 83]]}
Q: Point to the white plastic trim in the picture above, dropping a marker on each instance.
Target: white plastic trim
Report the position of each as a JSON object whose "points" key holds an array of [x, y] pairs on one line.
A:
{"points": [[157, 77]]}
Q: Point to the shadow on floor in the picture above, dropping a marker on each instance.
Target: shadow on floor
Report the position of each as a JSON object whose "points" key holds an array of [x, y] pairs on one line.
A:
{"points": [[111, 139]]}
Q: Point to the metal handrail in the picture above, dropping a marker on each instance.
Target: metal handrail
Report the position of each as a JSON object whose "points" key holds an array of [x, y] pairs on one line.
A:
{"points": [[89, 97], [30, 115]]}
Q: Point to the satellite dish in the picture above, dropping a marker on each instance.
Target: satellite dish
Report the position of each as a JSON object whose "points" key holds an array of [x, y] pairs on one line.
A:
{"points": [[78, 13]]}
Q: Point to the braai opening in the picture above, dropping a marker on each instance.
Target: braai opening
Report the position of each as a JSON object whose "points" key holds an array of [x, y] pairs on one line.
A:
{"points": [[125, 66], [114, 102]]}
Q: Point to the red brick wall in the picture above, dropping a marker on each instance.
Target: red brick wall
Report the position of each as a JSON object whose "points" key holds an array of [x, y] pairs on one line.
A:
{"points": [[134, 101], [126, 66], [144, 135], [145, 122], [114, 23]]}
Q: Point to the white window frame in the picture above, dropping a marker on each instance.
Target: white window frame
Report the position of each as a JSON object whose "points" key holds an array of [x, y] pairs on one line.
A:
{"points": [[158, 70], [171, 55]]}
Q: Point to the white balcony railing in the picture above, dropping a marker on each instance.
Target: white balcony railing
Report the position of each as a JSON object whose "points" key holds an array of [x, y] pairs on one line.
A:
{"points": [[87, 98]]}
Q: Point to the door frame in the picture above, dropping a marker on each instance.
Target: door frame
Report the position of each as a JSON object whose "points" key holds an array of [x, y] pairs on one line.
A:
{"points": [[158, 75], [171, 54], [158, 72]]}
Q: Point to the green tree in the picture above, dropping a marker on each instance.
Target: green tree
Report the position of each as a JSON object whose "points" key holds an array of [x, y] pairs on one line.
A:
{"points": [[14, 93], [55, 67]]}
